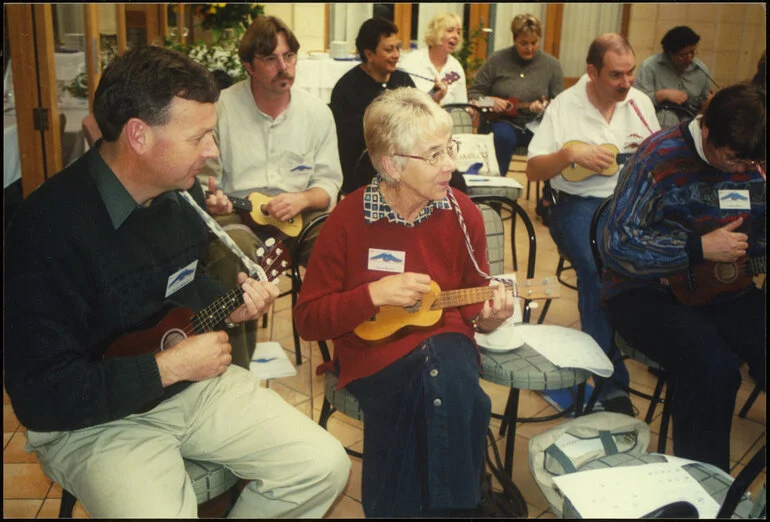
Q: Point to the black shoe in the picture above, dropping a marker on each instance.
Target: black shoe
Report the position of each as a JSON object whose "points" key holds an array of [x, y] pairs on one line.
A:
{"points": [[620, 404]]}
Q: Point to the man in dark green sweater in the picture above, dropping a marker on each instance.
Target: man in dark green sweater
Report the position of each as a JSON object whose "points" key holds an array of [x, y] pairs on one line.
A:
{"points": [[99, 251]]}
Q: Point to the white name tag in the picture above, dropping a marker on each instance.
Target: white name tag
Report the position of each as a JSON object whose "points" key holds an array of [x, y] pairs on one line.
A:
{"points": [[734, 199], [386, 260], [181, 278]]}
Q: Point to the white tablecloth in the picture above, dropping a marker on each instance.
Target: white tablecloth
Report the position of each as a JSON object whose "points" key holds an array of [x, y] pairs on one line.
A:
{"points": [[319, 76], [69, 65], [75, 113]]}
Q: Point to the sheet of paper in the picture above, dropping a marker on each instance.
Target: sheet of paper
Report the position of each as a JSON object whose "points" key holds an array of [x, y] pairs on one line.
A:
{"points": [[633, 491], [567, 347], [271, 362]]}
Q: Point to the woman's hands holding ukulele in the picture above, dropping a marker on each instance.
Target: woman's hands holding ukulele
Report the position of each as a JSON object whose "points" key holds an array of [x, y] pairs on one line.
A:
{"points": [[495, 312]]}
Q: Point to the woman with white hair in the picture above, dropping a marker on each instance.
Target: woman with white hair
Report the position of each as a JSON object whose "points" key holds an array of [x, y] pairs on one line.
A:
{"points": [[389, 244], [443, 37]]}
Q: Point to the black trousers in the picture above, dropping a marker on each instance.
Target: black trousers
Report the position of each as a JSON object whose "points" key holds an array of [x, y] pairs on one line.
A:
{"points": [[703, 347]]}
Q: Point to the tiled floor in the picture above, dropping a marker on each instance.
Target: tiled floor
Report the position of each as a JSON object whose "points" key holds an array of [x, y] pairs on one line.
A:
{"points": [[27, 493]]}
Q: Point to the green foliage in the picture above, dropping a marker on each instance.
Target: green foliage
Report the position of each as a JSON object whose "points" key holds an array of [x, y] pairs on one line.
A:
{"points": [[218, 18], [463, 55]]}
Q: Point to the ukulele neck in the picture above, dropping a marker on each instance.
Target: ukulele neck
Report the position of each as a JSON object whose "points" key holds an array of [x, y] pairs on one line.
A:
{"points": [[465, 296]]}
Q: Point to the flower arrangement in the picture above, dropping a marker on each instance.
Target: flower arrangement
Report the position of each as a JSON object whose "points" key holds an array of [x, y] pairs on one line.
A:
{"points": [[219, 57], [78, 87], [218, 18]]}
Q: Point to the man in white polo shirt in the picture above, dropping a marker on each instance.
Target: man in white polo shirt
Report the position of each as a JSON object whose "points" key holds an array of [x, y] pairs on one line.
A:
{"points": [[274, 140], [601, 109]]}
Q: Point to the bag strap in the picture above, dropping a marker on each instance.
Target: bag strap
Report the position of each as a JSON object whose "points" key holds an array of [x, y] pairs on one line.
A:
{"points": [[610, 448], [556, 453]]}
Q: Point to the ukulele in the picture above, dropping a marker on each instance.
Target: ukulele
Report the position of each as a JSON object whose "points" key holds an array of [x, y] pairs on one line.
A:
{"points": [[448, 79], [702, 282], [393, 322], [575, 172], [485, 105], [252, 210], [173, 324]]}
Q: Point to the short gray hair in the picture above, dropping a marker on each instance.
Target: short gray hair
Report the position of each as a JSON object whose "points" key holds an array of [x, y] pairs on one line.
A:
{"points": [[397, 120]]}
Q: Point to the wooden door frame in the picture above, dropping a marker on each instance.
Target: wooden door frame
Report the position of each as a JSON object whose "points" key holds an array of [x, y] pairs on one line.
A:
{"points": [[35, 90]]}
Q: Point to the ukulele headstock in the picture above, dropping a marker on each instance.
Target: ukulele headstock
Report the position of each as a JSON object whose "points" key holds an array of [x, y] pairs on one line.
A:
{"points": [[545, 288], [275, 261]]}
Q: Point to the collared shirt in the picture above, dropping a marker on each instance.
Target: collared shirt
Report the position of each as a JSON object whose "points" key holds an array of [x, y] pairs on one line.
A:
{"points": [[293, 152], [376, 208], [571, 116], [117, 200], [657, 73]]}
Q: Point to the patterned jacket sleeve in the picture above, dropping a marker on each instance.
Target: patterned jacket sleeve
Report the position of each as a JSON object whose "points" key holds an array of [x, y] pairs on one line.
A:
{"points": [[638, 241]]}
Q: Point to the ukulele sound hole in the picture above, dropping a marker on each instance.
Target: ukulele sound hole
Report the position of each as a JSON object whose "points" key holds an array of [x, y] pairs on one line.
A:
{"points": [[725, 272], [171, 338], [414, 308], [264, 212]]}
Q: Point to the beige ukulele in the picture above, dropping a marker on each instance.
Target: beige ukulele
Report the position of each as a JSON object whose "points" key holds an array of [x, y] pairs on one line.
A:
{"points": [[576, 172], [393, 322]]}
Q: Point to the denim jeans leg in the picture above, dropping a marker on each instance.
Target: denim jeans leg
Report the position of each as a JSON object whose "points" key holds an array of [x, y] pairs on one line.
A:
{"points": [[505, 144], [570, 230], [424, 434]]}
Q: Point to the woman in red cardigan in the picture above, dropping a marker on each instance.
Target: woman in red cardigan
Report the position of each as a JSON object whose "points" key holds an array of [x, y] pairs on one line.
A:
{"points": [[384, 245]]}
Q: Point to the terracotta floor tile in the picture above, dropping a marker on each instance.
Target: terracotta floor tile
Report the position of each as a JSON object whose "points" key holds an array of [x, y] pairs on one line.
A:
{"points": [[10, 422], [7, 435], [24, 481], [346, 507], [27, 508], [353, 489], [14, 452]]}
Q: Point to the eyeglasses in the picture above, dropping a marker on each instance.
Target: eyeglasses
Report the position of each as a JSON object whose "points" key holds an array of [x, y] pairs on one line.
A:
{"points": [[689, 54], [435, 158], [289, 58]]}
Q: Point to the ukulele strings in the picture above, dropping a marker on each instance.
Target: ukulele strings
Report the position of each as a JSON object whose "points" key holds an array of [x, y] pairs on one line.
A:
{"points": [[215, 312]]}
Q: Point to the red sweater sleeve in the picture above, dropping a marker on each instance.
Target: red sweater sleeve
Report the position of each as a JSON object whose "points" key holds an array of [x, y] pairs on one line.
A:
{"points": [[326, 309]]}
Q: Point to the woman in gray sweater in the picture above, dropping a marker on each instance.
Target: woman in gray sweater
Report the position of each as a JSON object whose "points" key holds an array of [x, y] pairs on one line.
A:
{"points": [[522, 72]]}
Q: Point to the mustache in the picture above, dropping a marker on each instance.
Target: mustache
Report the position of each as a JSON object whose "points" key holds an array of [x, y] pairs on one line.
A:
{"points": [[283, 76]]}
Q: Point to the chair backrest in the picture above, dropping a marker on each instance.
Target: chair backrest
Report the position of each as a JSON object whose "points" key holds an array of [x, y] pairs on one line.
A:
{"points": [[91, 129], [594, 233], [494, 238], [467, 119]]}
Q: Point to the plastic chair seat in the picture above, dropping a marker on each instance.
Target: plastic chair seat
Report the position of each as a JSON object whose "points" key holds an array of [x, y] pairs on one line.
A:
{"points": [[341, 400], [510, 192], [526, 369]]}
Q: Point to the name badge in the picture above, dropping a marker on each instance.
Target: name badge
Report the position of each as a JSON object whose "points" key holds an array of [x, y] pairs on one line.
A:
{"points": [[734, 199], [181, 278], [387, 260]]}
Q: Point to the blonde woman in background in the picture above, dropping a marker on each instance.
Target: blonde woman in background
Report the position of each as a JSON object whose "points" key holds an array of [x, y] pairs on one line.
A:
{"points": [[523, 72], [443, 37]]}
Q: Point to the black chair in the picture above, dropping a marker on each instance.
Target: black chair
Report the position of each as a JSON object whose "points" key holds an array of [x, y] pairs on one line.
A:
{"points": [[300, 255], [524, 368]]}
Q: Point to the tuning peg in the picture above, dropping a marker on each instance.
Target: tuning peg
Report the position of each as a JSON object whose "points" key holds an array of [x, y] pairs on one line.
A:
{"points": [[260, 252], [274, 274], [284, 264], [269, 242]]}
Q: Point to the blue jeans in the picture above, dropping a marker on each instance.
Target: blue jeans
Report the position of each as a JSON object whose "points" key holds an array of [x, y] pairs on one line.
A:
{"points": [[570, 224], [426, 419], [506, 139], [702, 347]]}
